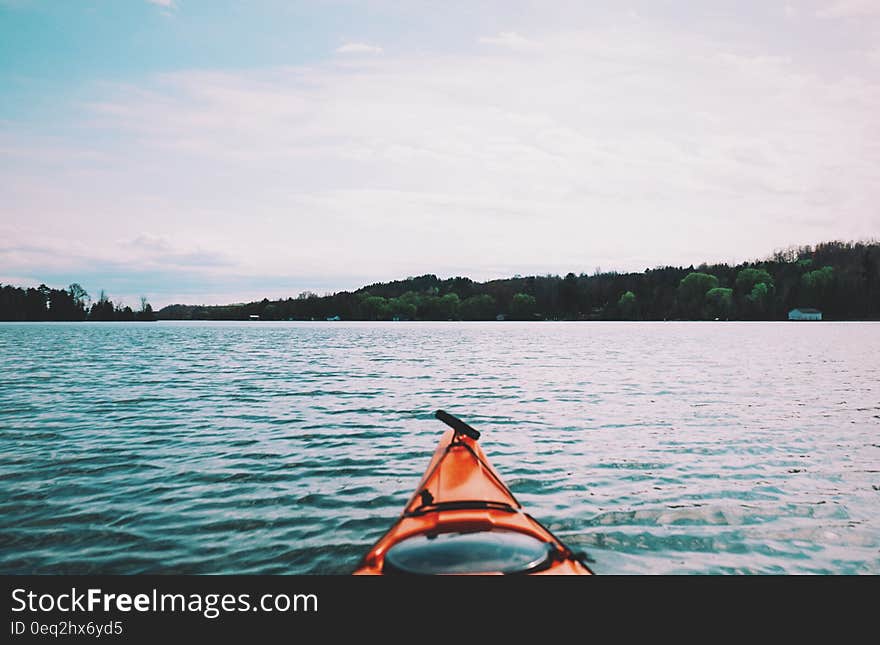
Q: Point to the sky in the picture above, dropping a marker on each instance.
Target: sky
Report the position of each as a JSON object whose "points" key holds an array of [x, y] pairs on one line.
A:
{"points": [[217, 151]]}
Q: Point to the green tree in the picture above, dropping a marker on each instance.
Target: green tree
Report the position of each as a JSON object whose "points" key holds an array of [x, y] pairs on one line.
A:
{"points": [[817, 286], [449, 306], [754, 289], [628, 306], [568, 295], [411, 306], [523, 306], [692, 293], [760, 299], [375, 308], [401, 309], [480, 307], [412, 298], [719, 303], [748, 278]]}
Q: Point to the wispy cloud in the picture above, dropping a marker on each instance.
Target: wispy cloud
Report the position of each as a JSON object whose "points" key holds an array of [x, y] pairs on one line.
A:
{"points": [[168, 4], [509, 39], [154, 250], [146, 251], [358, 48], [849, 9]]}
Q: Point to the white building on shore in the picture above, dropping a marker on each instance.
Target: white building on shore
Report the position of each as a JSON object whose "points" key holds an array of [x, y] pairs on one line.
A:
{"points": [[805, 313]]}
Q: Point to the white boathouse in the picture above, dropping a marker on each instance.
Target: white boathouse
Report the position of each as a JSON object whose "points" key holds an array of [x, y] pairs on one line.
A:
{"points": [[805, 313]]}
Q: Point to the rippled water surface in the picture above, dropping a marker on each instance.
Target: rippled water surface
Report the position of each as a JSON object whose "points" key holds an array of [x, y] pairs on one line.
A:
{"points": [[290, 447]]}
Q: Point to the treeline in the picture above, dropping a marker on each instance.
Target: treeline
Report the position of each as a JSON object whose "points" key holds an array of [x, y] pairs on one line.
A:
{"points": [[71, 304], [842, 279]]}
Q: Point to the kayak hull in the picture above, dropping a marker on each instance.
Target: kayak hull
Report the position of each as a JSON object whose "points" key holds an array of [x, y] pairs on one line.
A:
{"points": [[462, 493]]}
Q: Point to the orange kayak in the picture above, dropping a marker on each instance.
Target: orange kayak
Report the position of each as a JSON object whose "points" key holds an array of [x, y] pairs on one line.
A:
{"points": [[462, 519]]}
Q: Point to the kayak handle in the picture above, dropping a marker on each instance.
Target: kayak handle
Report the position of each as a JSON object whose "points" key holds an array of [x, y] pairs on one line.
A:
{"points": [[457, 424]]}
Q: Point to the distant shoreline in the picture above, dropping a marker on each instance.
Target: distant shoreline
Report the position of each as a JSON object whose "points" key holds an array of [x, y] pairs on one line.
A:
{"points": [[834, 281], [838, 280], [430, 322]]}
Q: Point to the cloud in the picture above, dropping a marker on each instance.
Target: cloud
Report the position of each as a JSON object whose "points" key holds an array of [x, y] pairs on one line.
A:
{"points": [[148, 250], [358, 48], [850, 9], [624, 147], [168, 4], [509, 39]]}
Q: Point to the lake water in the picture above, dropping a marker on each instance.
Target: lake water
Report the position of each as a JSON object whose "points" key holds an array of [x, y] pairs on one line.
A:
{"points": [[291, 447]]}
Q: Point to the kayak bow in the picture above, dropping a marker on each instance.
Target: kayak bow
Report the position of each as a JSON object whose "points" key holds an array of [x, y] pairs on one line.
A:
{"points": [[462, 519]]}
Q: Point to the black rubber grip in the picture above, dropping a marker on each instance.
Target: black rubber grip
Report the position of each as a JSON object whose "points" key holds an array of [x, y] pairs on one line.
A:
{"points": [[457, 424]]}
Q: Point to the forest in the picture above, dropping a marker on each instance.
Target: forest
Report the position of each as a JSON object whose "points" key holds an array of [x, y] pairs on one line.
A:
{"points": [[841, 279], [72, 304]]}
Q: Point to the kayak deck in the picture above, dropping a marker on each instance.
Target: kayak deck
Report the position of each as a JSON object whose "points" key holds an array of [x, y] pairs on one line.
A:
{"points": [[462, 518]]}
